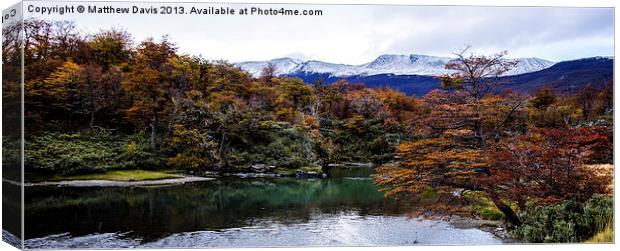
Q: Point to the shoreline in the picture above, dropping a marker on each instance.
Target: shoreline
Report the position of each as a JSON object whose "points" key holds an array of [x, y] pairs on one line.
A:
{"points": [[114, 183], [495, 227]]}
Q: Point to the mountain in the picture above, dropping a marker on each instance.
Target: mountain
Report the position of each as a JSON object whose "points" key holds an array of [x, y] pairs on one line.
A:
{"points": [[283, 66], [384, 64], [416, 74], [564, 77]]}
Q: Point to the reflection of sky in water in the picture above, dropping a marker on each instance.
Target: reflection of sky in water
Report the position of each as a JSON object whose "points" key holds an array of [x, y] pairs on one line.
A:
{"points": [[347, 229], [346, 210]]}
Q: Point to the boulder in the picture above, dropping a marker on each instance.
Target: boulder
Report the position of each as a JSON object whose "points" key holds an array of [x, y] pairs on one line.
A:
{"points": [[261, 168]]}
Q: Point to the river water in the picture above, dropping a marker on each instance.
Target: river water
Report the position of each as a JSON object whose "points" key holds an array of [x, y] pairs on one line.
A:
{"points": [[345, 210]]}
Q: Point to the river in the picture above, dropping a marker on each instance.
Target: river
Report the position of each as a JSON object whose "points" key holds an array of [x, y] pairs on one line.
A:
{"points": [[345, 210]]}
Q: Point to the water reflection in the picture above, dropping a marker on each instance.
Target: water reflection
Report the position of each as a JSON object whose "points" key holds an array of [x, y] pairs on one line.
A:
{"points": [[216, 213]]}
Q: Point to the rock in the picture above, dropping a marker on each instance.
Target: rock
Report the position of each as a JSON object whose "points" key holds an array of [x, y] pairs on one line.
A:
{"points": [[254, 175], [261, 167], [300, 174], [211, 174], [284, 174]]}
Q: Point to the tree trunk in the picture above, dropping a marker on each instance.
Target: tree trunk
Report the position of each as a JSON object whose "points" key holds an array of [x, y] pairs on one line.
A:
{"points": [[507, 211], [223, 152], [173, 116], [92, 119], [325, 166], [154, 128]]}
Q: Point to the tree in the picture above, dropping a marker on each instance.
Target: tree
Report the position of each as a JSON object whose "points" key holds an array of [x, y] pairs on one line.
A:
{"points": [[226, 112], [546, 166], [149, 82], [112, 47], [192, 135], [457, 134], [441, 165], [605, 99], [268, 73], [94, 93], [546, 109], [63, 88], [543, 98], [586, 99], [476, 74]]}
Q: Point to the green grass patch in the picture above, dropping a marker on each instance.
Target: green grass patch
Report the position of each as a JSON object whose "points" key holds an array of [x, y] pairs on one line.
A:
{"points": [[122, 175], [484, 207]]}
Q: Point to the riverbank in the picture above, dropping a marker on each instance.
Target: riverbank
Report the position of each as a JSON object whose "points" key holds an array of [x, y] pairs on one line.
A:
{"points": [[495, 227], [123, 175], [118, 183]]}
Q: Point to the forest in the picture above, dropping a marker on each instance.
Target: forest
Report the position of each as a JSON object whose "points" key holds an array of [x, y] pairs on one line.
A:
{"points": [[102, 102]]}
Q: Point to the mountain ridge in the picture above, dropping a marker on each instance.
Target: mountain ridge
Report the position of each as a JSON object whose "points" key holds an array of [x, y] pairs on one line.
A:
{"points": [[412, 64], [564, 77]]}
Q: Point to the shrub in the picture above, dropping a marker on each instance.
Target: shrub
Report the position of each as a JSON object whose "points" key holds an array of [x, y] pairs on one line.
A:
{"points": [[568, 221], [52, 153]]}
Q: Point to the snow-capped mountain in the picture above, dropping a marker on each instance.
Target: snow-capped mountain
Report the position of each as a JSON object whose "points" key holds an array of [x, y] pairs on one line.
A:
{"points": [[283, 66], [384, 64], [526, 65]]}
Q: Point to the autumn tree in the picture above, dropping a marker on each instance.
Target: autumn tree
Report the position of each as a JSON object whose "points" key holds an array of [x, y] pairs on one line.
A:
{"points": [[543, 98], [149, 81], [476, 76], [604, 100], [546, 166], [63, 87], [268, 73], [111, 47], [586, 99], [110, 51], [192, 134], [547, 109], [461, 125]]}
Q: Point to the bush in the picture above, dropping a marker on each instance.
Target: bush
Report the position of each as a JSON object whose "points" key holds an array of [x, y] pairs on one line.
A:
{"points": [[53, 153], [281, 147], [567, 221]]}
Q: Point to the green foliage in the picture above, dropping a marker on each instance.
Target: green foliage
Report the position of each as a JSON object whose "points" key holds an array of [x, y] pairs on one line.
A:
{"points": [[280, 145], [484, 208], [567, 221], [87, 151], [362, 140]]}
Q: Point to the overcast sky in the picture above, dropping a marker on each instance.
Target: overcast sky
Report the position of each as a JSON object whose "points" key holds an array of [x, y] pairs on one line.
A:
{"points": [[357, 34]]}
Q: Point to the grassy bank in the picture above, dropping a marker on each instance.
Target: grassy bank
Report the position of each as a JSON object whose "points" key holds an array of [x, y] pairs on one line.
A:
{"points": [[121, 175], [605, 236]]}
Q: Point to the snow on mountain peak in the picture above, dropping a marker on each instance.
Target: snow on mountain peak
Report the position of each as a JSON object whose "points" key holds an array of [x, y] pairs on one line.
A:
{"points": [[283, 66], [384, 64], [406, 64], [525, 65]]}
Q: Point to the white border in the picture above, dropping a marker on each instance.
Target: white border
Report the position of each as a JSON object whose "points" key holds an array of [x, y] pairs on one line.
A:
{"points": [[556, 3]]}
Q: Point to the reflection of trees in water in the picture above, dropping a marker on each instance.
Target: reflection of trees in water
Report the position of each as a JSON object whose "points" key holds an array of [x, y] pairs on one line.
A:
{"points": [[154, 212]]}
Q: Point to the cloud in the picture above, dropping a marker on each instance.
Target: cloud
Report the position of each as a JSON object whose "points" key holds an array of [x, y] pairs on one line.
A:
{"points": [[356, 34]]}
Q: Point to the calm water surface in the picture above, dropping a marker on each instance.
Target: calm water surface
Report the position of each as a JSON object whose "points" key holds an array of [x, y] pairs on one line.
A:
{"points": [[347, 210]]}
